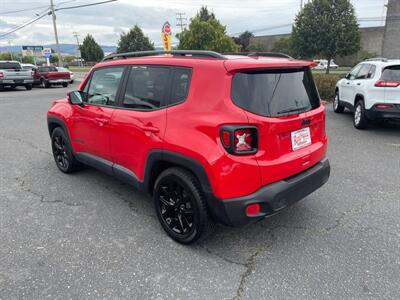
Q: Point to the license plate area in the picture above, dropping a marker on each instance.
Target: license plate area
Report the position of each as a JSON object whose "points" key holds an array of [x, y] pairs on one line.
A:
{"points": [[300, 138]]}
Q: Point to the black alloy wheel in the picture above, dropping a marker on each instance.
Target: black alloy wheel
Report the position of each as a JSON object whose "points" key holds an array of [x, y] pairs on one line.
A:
{"points": [[180, 206], [62, 152]]}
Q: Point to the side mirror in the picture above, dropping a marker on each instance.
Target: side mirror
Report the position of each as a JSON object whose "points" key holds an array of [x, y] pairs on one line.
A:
{"points": [[348, 76], [75, 98]]}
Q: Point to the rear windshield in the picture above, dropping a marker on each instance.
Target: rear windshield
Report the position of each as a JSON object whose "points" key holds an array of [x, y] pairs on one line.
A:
{"points": [[47, 69], [391, 73], [10, 66], [275, 92]]}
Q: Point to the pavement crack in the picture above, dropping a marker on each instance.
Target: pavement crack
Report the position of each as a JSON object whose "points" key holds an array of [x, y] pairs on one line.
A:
{"points": [[222, 257], [250, 266], [15, 139]]}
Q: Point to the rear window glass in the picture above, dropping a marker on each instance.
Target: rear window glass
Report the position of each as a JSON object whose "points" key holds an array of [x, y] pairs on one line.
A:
{"points": [[47, 69], [10, 66], [391, 73], [275, 92]]}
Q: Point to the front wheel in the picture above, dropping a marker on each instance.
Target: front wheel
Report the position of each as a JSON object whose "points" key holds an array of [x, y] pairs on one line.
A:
{"points": [[65, 84], [28, 87], [337, 107], [360, 120], [181, 207], [62, 152]]}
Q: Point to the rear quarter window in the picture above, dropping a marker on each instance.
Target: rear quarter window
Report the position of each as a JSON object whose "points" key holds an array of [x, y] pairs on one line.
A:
{"points": [[391, 73], [10, 66], [275, 92]]}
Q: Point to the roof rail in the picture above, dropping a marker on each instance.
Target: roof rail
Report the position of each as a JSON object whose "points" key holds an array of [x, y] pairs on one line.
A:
{"points": [[377, 59], [184, 53], [269, 54]]}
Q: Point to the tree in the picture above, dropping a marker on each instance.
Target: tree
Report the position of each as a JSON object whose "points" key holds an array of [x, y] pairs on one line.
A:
{"points": [[284, 45], [206, 33], [327, 28], [243, 40], [134, 40], [90, 50]]}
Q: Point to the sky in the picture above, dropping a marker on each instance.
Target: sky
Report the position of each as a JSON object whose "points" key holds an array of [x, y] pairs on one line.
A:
{"points": [[107, 21]]}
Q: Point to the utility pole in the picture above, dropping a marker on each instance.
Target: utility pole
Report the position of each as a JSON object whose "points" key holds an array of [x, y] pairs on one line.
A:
{"points": [[60, 61], [11, 54], [78, 50], [180, 18]]}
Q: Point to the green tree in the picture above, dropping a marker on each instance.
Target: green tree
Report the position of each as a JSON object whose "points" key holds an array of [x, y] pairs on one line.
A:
{"points": [[134, 40], [283, 45], [243, 40], [90, 50], [327, 28], [206, 33]]}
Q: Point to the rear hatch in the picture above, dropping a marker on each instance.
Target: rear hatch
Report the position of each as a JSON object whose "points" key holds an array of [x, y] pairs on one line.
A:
{"points": [[284, 105], [391, 75], [13, 71]]}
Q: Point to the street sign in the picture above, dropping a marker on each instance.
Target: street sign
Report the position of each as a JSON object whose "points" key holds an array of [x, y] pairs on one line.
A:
{"points": [[46, 52]]}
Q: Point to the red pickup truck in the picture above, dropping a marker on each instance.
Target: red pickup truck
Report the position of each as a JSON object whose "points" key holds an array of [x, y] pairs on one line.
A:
{"points": [[48, 76]]}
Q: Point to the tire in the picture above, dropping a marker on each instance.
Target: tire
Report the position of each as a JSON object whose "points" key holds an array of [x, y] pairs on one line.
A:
{"points": [[44, 83], [359, 119], [62, 152], [181, 206], [28, 87], [72, 81], [65, 84], [337, 107], [1, 87]]}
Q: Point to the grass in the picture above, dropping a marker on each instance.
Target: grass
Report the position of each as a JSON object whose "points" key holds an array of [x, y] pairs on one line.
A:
{"points": [[80, 69]]}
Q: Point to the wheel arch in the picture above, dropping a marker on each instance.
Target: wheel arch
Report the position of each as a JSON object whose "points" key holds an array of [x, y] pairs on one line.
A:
{"points": [[160, 160], [358, 97]]}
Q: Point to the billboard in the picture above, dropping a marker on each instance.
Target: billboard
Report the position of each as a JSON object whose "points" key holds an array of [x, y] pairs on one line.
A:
{"points": [[166, 36], [35, 51]]}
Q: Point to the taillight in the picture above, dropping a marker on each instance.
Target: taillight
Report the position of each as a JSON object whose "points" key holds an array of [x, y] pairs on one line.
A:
{"points": [[1, 74], [383, 106], [239, 140], [387, 83], [253, 209]]}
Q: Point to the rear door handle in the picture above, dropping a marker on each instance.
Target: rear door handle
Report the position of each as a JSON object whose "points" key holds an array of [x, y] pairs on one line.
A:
{"points": [[150, 129], [101, 121], [358, 83]]}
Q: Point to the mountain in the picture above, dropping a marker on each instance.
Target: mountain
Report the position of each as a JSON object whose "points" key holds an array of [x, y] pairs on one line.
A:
{"points": [[64, 48]]}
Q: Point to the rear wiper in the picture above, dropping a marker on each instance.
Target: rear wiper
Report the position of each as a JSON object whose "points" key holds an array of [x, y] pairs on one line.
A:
{"points": [[292, 110]]}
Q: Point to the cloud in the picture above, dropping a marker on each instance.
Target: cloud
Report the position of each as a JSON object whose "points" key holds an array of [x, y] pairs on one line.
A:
{"points": [[106, 22]]}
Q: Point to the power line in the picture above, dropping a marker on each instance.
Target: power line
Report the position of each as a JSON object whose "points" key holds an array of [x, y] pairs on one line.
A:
{"points": [[22, 10], [23, 25], [84, 5], [180, 19]]}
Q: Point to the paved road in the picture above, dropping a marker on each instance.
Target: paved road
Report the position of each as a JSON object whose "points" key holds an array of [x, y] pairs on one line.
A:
{"points": [[90, 236]]}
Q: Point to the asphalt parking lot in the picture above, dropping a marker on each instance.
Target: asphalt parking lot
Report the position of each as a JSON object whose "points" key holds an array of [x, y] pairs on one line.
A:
{"points": [[89, 236]]}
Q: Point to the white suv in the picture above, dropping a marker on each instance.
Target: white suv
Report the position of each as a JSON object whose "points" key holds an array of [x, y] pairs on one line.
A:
{"points": [[371, 90]]}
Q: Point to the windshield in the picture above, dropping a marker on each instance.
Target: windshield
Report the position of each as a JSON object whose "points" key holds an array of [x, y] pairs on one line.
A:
{"points": [[10, 66], [275, 92]]}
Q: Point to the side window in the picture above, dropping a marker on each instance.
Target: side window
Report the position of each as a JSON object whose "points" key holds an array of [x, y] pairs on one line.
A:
{"points": [[146, 87], [180, 84], [103, 86], [363, 73], [371, 73], [354, 72]]}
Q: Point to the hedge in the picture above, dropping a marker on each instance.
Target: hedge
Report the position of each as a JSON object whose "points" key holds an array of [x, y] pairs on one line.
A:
{"points": [[326, 85]]}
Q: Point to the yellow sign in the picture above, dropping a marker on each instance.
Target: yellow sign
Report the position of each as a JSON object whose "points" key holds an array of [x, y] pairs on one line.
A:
{"points": [[166, 36]]}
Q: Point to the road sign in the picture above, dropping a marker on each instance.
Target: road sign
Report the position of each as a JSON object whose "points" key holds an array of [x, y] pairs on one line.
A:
{"points": [[46, 52]]}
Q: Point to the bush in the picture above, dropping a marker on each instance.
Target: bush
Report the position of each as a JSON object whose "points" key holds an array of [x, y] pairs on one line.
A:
{"points": [[326, 84]]}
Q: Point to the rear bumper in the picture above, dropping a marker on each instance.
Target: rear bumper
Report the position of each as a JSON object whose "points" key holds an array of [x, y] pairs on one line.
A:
{"points": [[58, 81], [16, 81], [272, 198], [383, 114]]}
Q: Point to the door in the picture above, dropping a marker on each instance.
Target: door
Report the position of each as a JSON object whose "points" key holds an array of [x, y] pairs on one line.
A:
{"points": [[139, 122], [348, 86], [91, 121]]}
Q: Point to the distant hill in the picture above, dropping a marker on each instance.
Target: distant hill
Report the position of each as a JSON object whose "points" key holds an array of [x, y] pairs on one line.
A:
{"points": [[64, 48]]}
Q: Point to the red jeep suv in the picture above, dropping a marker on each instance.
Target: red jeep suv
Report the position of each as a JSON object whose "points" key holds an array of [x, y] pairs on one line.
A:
{"points": [[213, 138]]}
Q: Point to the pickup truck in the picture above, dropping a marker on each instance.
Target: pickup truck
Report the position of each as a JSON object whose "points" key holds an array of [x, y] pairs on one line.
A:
{"points": [[12, 75], [48, 76]]}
